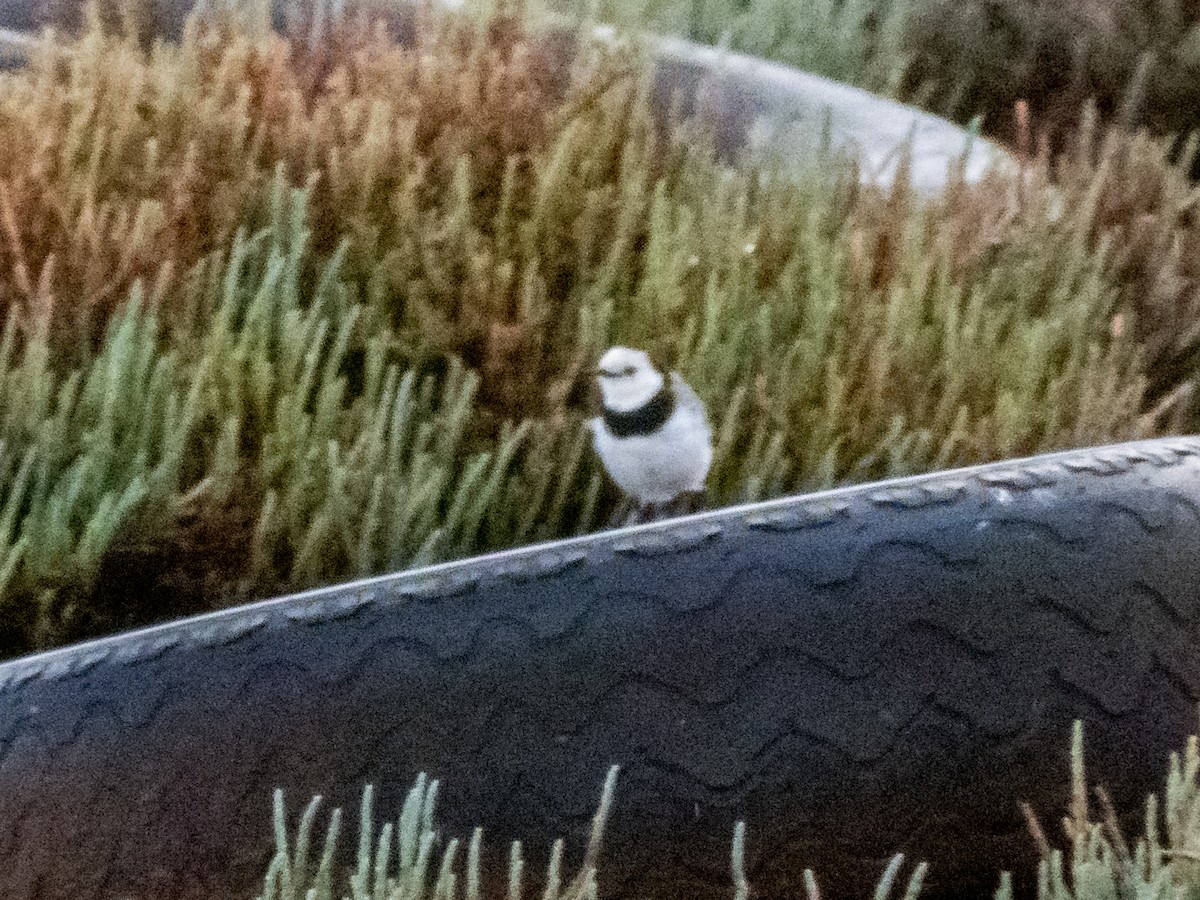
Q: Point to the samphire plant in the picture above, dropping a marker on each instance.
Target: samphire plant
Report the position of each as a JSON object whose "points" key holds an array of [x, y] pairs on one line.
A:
{"points": [[408, 860], [283, 309]]}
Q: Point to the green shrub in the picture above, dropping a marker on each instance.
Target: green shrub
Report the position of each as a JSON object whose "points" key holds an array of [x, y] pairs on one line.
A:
{"points": [[288, 310], [402, 862], [398, 862]]}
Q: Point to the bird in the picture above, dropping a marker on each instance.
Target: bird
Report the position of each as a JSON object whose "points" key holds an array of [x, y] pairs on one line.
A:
{"points": [[652, 436]]}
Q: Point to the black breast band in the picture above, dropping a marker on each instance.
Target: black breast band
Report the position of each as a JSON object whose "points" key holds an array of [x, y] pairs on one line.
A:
{"points": [[647, 418]]}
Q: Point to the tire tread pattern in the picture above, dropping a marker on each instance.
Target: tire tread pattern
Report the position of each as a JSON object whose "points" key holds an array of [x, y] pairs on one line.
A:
{"points": [[876, 668]]}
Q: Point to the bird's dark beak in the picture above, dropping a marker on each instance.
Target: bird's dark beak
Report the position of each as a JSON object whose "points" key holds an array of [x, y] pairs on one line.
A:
{"points": [[600, 373]]}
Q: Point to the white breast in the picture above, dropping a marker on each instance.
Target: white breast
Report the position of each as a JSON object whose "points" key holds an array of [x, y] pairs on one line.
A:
{"points": [[657, 468]]}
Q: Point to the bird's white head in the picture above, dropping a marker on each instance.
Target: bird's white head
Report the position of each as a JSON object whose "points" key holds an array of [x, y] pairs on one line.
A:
{"points": [[628, 379]]}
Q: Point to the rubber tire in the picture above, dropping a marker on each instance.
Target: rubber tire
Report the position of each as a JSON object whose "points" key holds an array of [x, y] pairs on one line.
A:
{"points": [[883, 668]]}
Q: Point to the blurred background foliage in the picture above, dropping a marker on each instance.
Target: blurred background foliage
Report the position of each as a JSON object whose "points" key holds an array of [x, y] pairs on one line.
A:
{"points": [[1016, 64], [282, 309]]}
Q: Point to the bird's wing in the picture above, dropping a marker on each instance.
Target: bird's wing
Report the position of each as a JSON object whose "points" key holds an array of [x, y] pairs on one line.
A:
{"points": [[688, 399]]}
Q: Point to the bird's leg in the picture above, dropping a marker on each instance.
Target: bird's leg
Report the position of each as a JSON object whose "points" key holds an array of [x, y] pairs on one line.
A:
{"points": [[686, 503], [683, 504], [648, 512]]}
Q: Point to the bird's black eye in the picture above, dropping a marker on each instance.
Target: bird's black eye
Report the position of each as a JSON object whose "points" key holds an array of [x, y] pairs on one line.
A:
{"points": [[628, 370]]}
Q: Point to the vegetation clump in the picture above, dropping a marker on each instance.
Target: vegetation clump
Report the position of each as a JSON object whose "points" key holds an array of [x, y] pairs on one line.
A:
{"points": [[399, 862], [288, 308]]}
